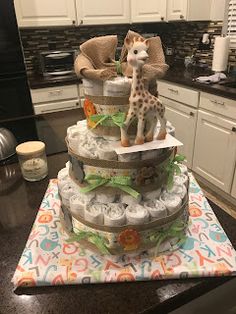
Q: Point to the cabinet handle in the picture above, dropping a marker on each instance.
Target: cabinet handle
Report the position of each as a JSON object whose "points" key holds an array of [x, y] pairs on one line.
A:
{"points": [[191, 113], [54, 93], [81, 22], [162, 18], [73, 22], [181, 16], [217, 102], [173, 90], [77, 103], [234, 129]]}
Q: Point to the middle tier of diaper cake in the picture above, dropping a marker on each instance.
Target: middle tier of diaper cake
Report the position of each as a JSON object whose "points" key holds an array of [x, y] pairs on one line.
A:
{"points": [[122, 203]]}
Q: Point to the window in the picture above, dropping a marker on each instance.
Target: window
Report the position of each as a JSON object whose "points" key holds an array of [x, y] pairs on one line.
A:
{"points": [[231, 23]]}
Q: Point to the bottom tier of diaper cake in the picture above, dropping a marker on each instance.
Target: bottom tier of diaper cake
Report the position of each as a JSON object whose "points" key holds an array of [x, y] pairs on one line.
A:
{"points": [[113, 222]]}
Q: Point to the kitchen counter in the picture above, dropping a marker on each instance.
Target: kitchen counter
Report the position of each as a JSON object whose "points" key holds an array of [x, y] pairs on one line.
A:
{"points": [[40, 81], [180, 75], [19, 203], [175, 74]]}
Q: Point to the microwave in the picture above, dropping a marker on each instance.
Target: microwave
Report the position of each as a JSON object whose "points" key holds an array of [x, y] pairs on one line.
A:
{"points": [[57, 62]]}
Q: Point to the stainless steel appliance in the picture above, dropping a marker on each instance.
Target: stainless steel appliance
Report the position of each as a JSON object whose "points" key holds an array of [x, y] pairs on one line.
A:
{"points": [[57, 62]]}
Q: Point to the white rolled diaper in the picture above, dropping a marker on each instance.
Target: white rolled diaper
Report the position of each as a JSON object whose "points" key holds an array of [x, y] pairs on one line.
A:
{"points": [[105, 151], [129, 157], [172, 202], [92, 87], [94, 213], [183, 169], [63, 173], [78, 204], [105, 198], [114, 215], [136, 214], [152, 195], [129, 200], [71, 129], [155, 208], [179, 190], [118, 86], [73, 139], [181, 179]]}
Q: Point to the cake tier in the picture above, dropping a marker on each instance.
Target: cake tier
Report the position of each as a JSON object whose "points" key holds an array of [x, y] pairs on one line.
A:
{"points": [[110, 216]]}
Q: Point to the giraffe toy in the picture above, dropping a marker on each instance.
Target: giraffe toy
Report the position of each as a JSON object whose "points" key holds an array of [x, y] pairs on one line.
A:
{"points": [[142, 105]]}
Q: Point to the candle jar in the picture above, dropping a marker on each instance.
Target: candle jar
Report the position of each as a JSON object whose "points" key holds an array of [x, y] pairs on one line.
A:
{"points": [[32, 159]]}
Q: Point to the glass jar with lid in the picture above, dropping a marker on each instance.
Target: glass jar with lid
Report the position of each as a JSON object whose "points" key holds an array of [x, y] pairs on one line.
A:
{"points": [[32, 159]]}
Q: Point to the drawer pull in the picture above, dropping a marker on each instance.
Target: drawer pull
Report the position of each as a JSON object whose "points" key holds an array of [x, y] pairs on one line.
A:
{"points": [[175, 91], [234, 129], [217, 102], [55, 93], [191, 113]]}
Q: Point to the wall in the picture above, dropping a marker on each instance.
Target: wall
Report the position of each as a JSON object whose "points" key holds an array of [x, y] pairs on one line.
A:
{"points": [[182, 36]]}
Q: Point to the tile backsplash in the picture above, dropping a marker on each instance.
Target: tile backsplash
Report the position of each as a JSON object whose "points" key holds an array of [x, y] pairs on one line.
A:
{"points": [[183, 37]]}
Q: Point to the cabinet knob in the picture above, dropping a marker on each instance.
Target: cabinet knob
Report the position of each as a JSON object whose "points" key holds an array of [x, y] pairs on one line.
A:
{"points": [[77, 104], [181, 16], [234, 129], [191, 113], [162, 18], [81, 22], [73, 22]]}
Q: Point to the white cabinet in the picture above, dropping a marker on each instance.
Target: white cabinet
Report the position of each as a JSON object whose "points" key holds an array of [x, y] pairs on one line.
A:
{"points": [[233, 190], [103, 11], [184, 119], [54, 99], [190, 10], [148, 11], [33, 13], [215, 149], [217, 10]]}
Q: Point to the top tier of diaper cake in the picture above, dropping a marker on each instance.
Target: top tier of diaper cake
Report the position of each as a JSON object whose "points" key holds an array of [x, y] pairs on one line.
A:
{"points": [[124, 188]]}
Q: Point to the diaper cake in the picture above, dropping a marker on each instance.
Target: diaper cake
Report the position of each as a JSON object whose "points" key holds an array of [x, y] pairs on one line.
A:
{"points": [[124, 188]]}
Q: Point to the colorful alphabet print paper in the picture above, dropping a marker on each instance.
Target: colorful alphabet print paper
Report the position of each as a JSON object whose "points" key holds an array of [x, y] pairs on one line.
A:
{"points": [[49, 260]]}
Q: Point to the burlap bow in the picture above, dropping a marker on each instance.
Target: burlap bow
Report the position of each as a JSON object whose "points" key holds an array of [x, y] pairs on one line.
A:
{"points": [[97, 59]]}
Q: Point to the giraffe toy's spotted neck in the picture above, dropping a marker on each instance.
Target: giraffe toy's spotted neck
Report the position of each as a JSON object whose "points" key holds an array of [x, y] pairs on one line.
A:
{"points": [[137, 81]]}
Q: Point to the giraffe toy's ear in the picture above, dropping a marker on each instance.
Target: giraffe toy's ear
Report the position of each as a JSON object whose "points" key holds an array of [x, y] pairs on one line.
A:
{"points": [[128, 43], [146, 42]]}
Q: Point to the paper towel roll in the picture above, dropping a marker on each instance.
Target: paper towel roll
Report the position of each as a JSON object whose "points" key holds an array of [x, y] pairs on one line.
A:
{"points": [[220, 53]]}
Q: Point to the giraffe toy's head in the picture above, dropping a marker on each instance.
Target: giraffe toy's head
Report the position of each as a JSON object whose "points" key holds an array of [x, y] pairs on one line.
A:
{"points": [[137, 51]]}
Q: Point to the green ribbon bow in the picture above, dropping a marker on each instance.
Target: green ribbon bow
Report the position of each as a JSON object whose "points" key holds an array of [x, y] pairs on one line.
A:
{"points": [[175, 231], [172, 169], [121, 182], [118, 67], [117, 118], [91, 237]]}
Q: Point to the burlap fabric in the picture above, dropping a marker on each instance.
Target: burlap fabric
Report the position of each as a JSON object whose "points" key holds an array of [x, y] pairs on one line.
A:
{"points": [[97, 59]]}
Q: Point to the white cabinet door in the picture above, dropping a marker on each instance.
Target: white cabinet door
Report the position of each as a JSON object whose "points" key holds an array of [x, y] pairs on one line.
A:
{"points": [[184, 119], [103, 11], [148, 11], [190, 10], [217, 10], [233, 191], [177, 10], [33, 13], [215, 149]]}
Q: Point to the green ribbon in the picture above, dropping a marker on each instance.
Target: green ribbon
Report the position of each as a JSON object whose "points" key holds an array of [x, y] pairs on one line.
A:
{"points": [[173, 169], [121, 182], [175, 231], [118, 67], [91, 237], [117, 118]]}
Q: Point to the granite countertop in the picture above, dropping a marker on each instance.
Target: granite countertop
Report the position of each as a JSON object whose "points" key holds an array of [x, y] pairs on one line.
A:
{"points": [[40, 81], [175, 74], [180, 75], [20, 201]]}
